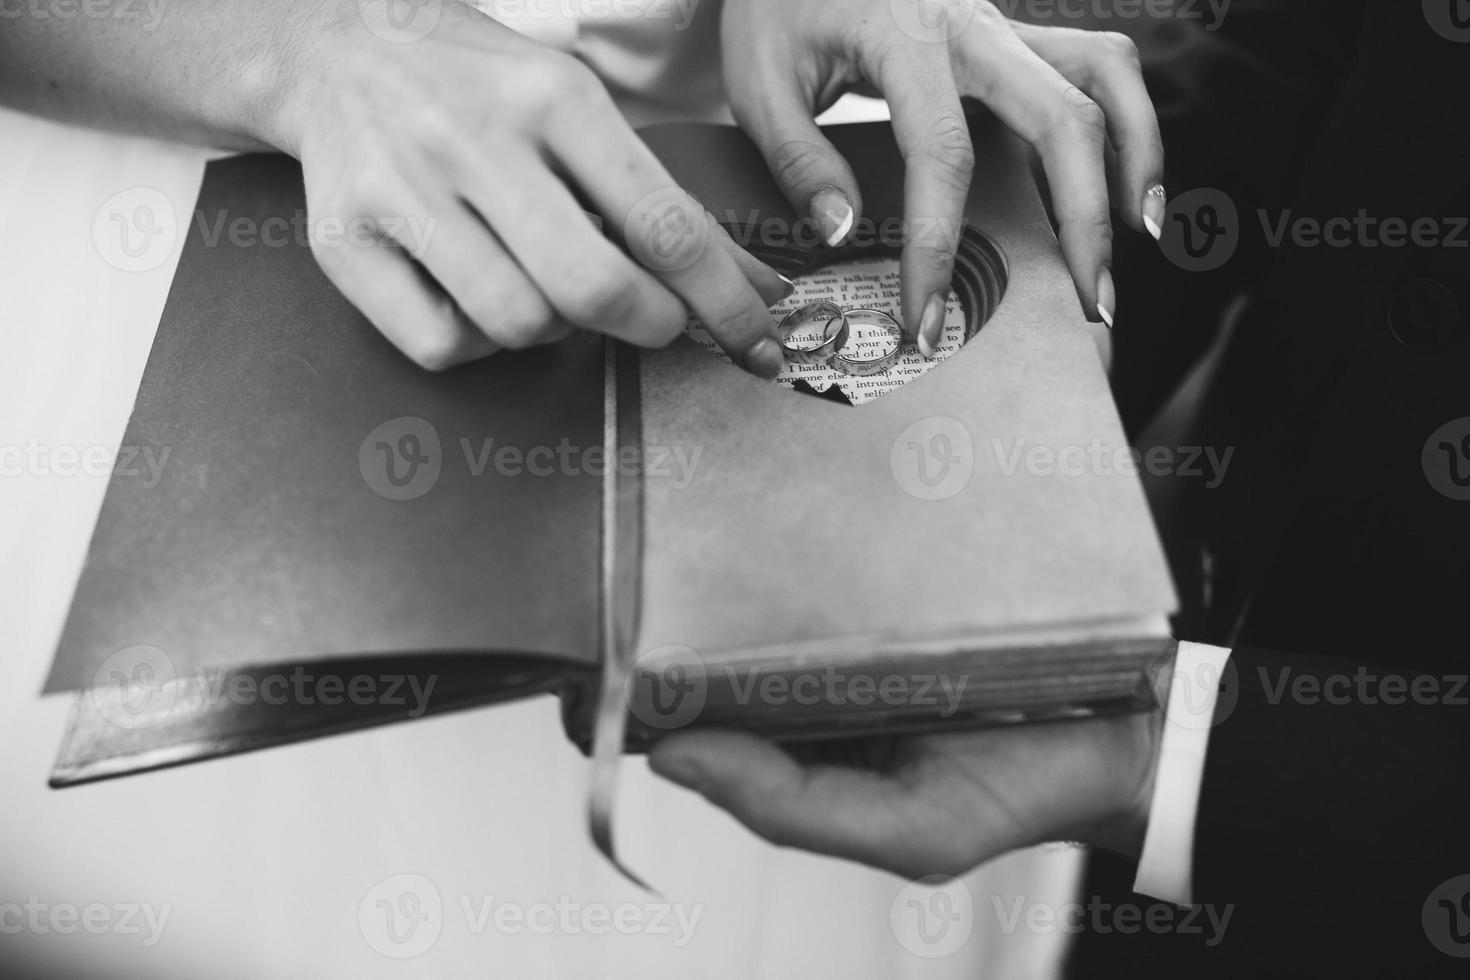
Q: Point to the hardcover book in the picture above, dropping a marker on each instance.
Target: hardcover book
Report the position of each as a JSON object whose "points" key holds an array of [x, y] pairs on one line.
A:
{"points": [[340, 539]]}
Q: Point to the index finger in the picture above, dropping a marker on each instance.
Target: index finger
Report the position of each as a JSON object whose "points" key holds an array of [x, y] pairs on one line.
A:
{"points": [[667, 231], [934, 137]]}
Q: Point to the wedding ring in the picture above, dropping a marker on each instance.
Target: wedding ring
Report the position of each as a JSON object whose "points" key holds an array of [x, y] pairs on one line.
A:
{"points": [[834, 332], [866, 352]]}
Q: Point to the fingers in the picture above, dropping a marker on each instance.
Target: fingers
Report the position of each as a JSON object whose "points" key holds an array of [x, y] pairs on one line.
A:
{"points": [[934, 137], [1106, 67], [385, 283], [851, 813], [770, 284], [491, 290], [668, 232], [1069, 133], [587, 280], [814, 176]]}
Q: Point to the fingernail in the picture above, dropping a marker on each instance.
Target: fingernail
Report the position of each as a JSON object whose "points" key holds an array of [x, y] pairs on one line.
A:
{"points": [[1106, 300], [765, 358], [1155, 206], [931, 326], [775, 289], [790, 287], [833, 213], [682, 769]]}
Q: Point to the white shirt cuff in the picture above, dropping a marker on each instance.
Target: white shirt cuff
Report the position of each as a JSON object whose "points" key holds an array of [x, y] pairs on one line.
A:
{"points": [[1166, 865]]}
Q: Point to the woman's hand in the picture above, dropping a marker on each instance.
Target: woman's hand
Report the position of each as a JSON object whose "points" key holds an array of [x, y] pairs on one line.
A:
{"points": [[1071, 94], [931, 804], [460, 151]]}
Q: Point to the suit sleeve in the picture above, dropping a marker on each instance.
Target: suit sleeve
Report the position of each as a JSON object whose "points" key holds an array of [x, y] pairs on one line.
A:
{"points": [[1334, 814]]}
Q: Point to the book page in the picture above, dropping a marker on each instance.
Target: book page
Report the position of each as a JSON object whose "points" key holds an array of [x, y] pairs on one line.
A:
{"points": [[871, 283]]}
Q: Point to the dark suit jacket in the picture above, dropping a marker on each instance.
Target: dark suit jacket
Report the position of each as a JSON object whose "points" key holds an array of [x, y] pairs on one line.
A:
{"points": [[1335, 812]]}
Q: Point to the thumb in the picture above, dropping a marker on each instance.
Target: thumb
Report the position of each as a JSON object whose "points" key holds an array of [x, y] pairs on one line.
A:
{"points": [[814, 176]]}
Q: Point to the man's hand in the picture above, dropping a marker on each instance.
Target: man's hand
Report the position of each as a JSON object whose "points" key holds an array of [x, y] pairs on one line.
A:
{"points": [[1073, 95], [931, 804]]}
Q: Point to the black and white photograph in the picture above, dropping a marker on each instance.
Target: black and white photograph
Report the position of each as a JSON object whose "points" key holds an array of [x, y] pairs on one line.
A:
{"points": [[734, 489]]}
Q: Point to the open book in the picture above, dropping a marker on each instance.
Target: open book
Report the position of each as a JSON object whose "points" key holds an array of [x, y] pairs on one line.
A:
{"points": [[338, 539]]}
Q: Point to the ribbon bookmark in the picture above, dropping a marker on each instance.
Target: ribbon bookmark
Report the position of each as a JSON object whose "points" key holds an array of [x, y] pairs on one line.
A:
{"points": [[622, 541]]}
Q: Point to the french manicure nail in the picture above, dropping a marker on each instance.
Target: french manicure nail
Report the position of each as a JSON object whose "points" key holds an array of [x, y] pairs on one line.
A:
{"points": [[1155, 206], [765, 358], [931, 325], [790, 287], [1107, 301], [833, 213]]}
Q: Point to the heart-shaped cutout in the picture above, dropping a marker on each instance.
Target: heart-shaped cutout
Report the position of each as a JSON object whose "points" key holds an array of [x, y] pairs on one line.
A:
{"points": [[868, 278]]}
